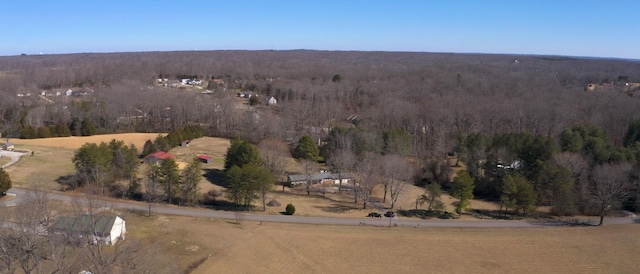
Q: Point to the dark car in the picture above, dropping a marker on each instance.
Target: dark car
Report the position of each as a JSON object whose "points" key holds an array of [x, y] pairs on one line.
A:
{"points": [[389, 214], [374, 215]]}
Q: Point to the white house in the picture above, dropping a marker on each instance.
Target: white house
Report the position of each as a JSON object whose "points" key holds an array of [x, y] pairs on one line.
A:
{"points": [[104, 229], [69, 92], [272, 101]]}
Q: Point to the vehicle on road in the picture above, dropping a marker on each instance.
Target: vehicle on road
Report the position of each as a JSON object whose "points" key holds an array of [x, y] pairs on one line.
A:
{"points": [[389, 214], [374, 215]]}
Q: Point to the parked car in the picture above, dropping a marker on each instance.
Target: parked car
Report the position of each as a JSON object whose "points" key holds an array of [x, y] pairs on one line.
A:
{"points": [[389, 214], [374, 215]]}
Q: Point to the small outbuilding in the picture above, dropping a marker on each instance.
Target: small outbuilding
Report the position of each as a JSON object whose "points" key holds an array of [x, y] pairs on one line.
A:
{"points": [[8, 146], [205, 158], [185, 143]]}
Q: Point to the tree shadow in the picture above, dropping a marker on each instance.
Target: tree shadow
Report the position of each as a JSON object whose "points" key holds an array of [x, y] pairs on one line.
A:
{"points": [[225, 206], [426, 214], [571, 222], [494, 214], [337, 208], [215, 176]]}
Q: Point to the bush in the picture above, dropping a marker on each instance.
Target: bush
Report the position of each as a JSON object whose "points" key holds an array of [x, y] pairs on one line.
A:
{"points": [[290, 209]]}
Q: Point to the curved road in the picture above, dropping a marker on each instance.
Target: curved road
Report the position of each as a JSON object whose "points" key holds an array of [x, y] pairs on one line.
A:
{"points": [[208, 213]]}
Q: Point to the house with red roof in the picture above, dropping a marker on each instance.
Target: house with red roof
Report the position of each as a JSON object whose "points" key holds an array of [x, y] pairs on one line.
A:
{"points": [[158, 157]]}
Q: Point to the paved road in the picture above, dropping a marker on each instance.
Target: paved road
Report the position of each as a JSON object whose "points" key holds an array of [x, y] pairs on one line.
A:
{"points": [[208, 213]]}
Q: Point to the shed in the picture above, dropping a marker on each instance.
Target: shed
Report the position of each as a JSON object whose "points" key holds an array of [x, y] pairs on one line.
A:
{"points": [[8, 146], [106, 229], [185, 143], [205, 158]]}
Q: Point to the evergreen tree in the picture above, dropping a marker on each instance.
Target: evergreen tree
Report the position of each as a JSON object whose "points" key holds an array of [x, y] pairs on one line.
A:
{"points": [[242, 153], [190, 178], [5, 182], [87, 128], [307, 149], [462, 189], [148, 148], [169, 178]]}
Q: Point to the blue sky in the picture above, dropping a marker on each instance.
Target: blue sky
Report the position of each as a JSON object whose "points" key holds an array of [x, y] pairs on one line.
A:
{"points": [[563, 27]]}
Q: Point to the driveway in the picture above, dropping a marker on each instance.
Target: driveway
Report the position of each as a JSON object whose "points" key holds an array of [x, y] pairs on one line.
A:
{"points": [[14, 155], [208, 213]]}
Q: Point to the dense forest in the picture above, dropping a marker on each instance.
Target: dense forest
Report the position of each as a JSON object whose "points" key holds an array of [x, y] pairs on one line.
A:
{"points": [[564, 127]]}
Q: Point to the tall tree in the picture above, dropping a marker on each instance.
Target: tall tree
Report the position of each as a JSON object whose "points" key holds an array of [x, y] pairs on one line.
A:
{"points": [[518, 193], [245, 183], [609, 184], [395, 171], [169, 178], [241, 153], [434, 192], [87, 128], [307, 149], [367, 172], [190, 178], [462, 189], [152, 175]]}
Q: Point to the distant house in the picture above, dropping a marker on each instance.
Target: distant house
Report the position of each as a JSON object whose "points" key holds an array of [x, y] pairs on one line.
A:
{"points": [[324, 177], [103, 228], [69, 92], [205, 158], [8, 146], [158, 157], [272, 101], [185, 143]]}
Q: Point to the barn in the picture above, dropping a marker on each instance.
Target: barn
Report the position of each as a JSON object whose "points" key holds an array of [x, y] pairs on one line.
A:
{"points": [[158, 157]]}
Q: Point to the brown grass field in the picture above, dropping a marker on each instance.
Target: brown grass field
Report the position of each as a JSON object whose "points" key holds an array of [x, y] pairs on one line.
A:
{"points": [[251, 247], [75, 142]]}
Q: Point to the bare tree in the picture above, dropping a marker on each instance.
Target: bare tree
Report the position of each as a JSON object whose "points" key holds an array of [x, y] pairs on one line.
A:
{"points": [[609, 184], [395, 171], [275, 153], [309, 168], [341, 161], [368, 174], [152, 185]]}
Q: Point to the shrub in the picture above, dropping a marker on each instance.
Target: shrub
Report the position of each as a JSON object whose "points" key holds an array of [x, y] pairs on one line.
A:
{"points": [[290, 209]]}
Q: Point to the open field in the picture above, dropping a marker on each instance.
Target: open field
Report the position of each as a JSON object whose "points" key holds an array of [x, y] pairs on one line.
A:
{"points": [[290, 248], [52, 156], [75, 142], [207, 245]]}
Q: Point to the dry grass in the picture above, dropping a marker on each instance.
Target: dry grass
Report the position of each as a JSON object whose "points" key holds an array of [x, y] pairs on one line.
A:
{"points": [[47, 163], [294, 248], [214, 147], [4, 160], [75, 142]]}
